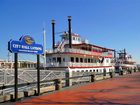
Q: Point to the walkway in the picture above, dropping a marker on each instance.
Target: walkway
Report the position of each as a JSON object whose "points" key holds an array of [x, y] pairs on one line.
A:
{"points": [[123, 90]]}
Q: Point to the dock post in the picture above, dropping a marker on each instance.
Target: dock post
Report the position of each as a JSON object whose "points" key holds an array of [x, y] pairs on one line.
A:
{"points": [[92, 77], [68, 75], [104, 73], [111, 74], [121, 72], [58, 84], [67, 79]]}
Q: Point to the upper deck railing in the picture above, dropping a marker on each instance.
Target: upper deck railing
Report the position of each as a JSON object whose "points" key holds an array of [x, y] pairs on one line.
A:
{"points": [[80, 51]]}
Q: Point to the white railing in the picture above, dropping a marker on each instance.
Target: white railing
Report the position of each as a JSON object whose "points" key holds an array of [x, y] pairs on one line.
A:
{"points": [[26, 76], [73, 64], [78, 51]]}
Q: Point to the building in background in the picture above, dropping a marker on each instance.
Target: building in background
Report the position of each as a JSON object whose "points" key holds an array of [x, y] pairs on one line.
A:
{"points": [[21, 64]]}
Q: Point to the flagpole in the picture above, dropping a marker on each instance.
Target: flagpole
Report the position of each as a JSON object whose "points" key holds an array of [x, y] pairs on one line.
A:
{"points": [[44, 45]]}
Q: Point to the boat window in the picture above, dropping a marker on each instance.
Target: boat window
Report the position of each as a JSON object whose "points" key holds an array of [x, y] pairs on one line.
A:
{"points": [[47, 60], [73, 38], [91, 60], [90, 70], [99, 61], [85, 60], [83, 48], [89, 49], [88, 60], [50, 60], [107, 61], [77, 59], [78, 39], [54, 59], [97, 70], [81, 59], [86, 70], [95, 61], [63, 59], [59, 59], [72, 59]]}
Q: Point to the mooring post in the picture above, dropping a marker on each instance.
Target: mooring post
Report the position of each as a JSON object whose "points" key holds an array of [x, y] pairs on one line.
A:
{"points": [[111, 74], [68, 75], [58, 84], [38, 75], [92, 77], [16, 75], [67, 79], [121, 72]]}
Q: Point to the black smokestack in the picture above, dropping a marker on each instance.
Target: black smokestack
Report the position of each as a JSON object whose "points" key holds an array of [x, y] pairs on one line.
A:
{"points": [[53, 34], [69, 24]]}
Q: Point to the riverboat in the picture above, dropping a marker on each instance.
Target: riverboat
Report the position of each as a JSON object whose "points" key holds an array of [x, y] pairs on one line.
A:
{"points": [[81, 57], [124, 61], [73, 53]]}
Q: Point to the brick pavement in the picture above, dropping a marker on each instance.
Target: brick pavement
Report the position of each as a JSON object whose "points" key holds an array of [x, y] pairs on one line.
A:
{"points": [[123, 90]]}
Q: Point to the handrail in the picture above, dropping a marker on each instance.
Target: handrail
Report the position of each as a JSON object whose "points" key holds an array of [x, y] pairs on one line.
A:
{"points": [[53, 80], [59, 83], [81, 51]]}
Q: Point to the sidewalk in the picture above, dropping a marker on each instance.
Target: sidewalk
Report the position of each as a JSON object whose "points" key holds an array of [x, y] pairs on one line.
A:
{"points": [[123, 90]]}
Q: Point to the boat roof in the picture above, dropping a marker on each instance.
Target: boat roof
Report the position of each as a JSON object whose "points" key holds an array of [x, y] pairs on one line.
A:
{"points": [[91, 45], [73, 34]]}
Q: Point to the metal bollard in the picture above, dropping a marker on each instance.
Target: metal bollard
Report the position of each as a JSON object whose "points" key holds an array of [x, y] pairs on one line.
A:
{"points": [[58, 84], [92, 78]]}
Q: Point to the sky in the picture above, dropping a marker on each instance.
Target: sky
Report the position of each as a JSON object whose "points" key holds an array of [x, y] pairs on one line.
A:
{"points": [[112, 24]]}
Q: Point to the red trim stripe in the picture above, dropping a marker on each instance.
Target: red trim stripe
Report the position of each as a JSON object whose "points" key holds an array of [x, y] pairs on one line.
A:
{"points": [[90, 67], [93, 46], [109, 56]]}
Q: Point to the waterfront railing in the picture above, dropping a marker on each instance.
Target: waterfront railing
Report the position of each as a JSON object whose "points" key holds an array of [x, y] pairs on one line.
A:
{"points": [[56, 84]]}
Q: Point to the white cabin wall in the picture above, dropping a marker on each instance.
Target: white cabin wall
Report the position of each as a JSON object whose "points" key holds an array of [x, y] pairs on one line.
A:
{"points": [[76, 40], [107, 62]]}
